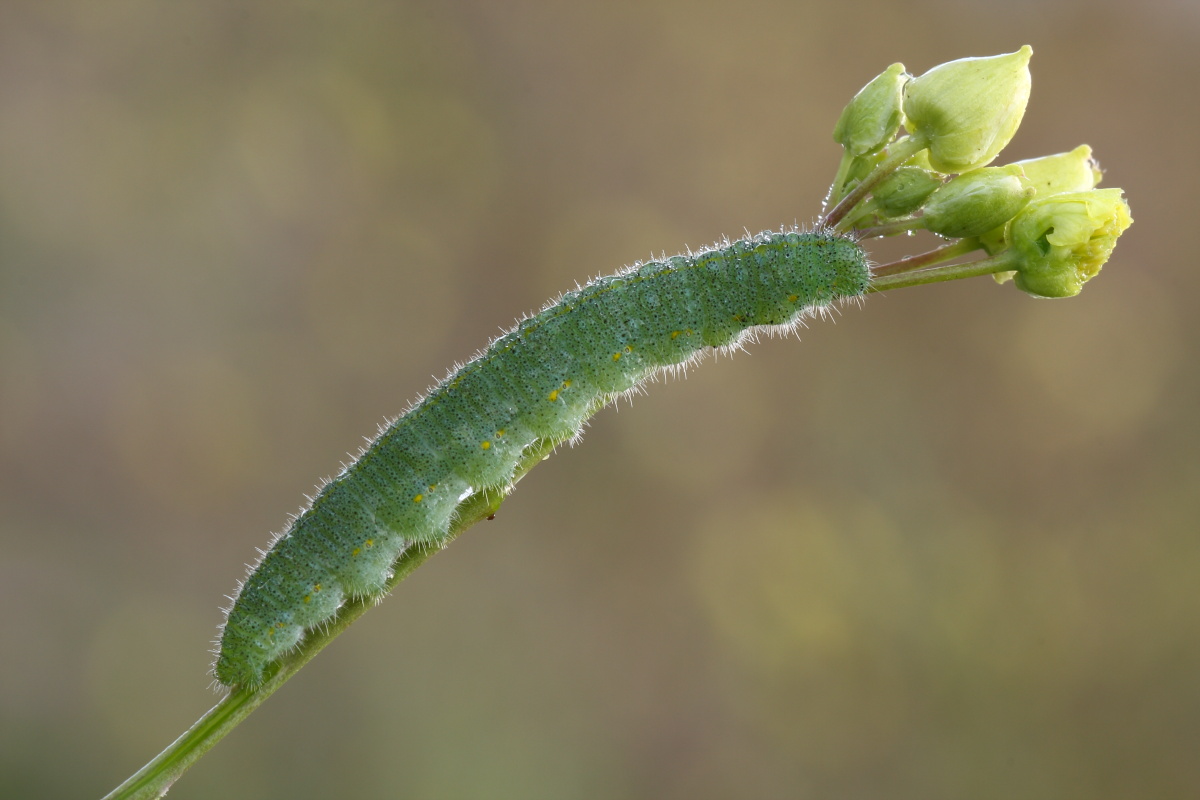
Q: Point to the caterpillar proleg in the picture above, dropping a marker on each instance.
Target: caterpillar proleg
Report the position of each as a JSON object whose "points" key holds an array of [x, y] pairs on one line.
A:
{"points": [[538, 382]]}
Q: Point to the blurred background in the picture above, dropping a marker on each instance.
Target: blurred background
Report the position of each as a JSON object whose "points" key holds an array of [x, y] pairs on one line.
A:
{"points": [[945, 547]]}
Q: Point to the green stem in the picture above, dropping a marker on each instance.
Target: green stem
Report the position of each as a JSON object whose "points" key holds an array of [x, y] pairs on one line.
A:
{"points": [[154, 779], [929, 258], [902, 150], [893, 228], [986, 266], [839, 180], [864, 210]]}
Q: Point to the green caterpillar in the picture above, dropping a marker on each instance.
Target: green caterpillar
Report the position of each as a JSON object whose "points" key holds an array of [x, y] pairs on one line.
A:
{"points": [[538, 382]]}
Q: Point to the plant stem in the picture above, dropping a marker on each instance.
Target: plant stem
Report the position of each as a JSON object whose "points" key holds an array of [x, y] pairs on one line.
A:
{"points": [[839, 180], [902, 150], [154, 779], [986, 266], [893, 228], [928, 258]]}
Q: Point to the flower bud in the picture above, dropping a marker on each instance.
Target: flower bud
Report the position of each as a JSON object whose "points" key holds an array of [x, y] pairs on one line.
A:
{"points": [[977, 201], [904, 191], [969, 109], [1075, 171], [873, 117], [1061, 241]]}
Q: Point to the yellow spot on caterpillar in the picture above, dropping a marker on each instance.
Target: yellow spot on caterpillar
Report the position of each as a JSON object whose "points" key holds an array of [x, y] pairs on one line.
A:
{"points": [[356, 551], [369, 543], [566, 384], [432, 486], [307, 599], [316, 587], [418, 498], [793, 298], [485, 445], [279, 625], [628, 348], [500, 432], [616, 356], [552, 396], [675, 334]]}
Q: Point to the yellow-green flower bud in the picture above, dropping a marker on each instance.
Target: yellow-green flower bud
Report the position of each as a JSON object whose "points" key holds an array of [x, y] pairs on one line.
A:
{"points": [[1075, 171], [904, 191], [977, 201], [873, 116], [969, 109], [1061, 241]]}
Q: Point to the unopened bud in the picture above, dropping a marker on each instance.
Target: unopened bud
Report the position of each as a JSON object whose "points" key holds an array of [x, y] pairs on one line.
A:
{"points": [[969, 109], [873, 117], [904, 191], [1075, 171], [977, 201]]}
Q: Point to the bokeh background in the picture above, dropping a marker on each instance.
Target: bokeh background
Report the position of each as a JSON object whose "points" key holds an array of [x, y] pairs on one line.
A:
{"points": [[945, 547]]}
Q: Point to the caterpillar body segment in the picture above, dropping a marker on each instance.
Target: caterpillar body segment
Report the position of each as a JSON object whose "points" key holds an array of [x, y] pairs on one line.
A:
{"points": [[539, 381]]}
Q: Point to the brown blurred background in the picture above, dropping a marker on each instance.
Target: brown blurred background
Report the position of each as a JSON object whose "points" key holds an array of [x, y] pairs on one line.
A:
{"points": [[944, 548]]}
